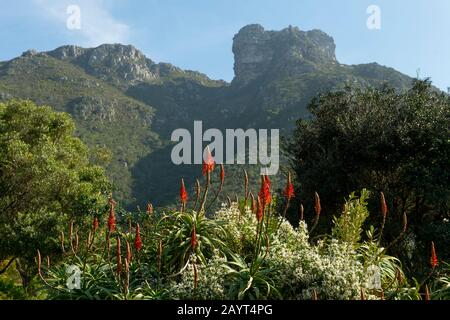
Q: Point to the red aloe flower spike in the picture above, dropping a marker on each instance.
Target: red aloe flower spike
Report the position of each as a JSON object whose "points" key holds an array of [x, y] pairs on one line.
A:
{"points": [[259, 210], [208, 163], [264, 193], [317, 206], [129, 256], [194, 241], [112, 215], [383, 206], [119, 257], [183, 193], [289, 190], [137, 239], [95, 224], [433, 258]]}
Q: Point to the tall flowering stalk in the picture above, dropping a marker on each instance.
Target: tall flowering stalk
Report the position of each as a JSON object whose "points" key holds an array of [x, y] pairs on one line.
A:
{"points": [[95, 224], [427, 293], [197, 193], [253, 205], [317, 209], [62, 242], [264, 192], [39, 263], [112, 216], [195, 277], [207, 168], [433, 259], [160, 253], [149, 209], [259, 210], [126, 283], [194, 240], [301, 212], [137, 239], [219, 190], [128, 255], [76, 242], [183, 195], [119, 258], [246, 192], [208, 163], [384, 211], [288, 193]]}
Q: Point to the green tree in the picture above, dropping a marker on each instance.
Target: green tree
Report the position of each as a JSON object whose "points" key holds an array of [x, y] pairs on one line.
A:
{"points": [[46, 181], [380, 139]]}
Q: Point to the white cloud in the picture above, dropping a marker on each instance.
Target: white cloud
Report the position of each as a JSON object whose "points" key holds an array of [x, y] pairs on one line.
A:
{"points": [[98, 26]]}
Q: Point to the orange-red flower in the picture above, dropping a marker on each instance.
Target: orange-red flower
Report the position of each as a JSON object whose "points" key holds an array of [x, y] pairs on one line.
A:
{"points": [[433, 258], [289, 190], [183, 193], [137, 239], [112, 216], [264, 192], [194, 241], [208, 163]]}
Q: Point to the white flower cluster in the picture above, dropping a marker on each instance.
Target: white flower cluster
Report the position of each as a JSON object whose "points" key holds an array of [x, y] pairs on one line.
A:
{"points": [[330, 268], [210, 283]]}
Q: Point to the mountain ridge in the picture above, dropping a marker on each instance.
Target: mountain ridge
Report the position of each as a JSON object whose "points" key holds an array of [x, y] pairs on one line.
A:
{"points": [[125, 101]]}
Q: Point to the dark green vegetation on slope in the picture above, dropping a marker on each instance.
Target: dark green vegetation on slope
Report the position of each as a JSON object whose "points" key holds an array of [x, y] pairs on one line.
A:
{"points": [[124, 101]]}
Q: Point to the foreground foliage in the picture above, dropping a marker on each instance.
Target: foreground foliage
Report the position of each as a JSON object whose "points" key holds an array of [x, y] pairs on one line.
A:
{"points": [[245, 250]]}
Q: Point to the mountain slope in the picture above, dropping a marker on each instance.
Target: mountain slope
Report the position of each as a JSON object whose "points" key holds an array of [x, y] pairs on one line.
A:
{"points": [[121, 99]]}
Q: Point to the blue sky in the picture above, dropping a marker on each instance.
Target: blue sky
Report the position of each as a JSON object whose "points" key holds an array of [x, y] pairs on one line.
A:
{"points": [[197, 34]]}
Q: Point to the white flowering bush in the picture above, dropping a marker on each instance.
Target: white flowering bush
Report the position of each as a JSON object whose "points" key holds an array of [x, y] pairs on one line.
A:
{"points": [[330, 269]]}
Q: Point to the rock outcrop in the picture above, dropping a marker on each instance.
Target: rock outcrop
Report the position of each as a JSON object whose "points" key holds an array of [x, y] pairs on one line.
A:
{"points": [[287, 52]]}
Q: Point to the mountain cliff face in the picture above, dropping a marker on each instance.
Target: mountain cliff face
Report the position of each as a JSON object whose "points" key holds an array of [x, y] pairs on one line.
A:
{"points": [[123, 100], [260, 53]]}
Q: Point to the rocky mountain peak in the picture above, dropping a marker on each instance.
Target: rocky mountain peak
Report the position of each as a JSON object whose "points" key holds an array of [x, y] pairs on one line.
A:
{"points": [[115, 63], [287, 52]]}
